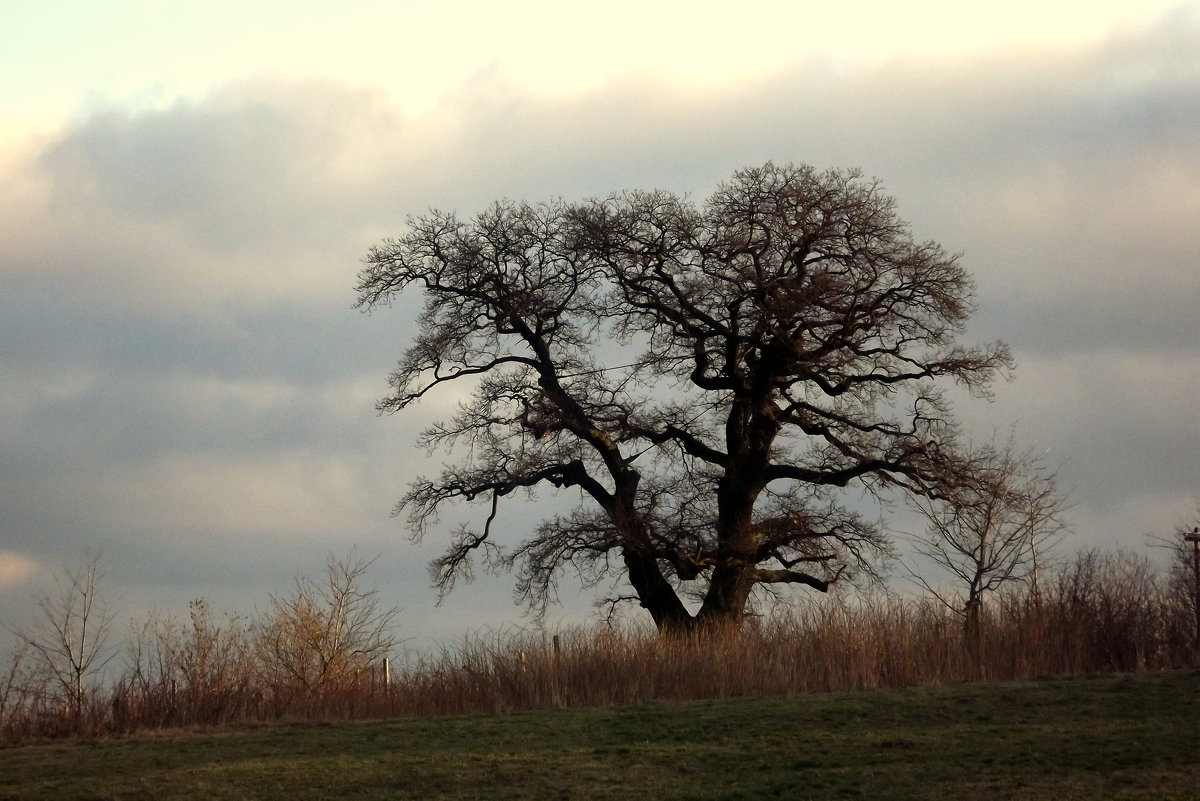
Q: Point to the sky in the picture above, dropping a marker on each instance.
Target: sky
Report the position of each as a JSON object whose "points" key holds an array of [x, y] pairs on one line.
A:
{"points": [[187, 191]]}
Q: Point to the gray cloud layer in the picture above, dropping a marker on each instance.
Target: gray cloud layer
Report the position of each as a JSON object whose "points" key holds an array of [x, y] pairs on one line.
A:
{"points": [[184, 378]]}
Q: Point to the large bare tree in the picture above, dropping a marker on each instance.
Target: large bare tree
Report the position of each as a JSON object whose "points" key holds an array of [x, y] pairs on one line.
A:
{"points": [[708, 379]]}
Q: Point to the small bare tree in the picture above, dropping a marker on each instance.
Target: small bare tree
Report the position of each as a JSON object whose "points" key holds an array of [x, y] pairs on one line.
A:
{"points": [[200, 664], [69, 642], [994, 529], [1183, 581], [212, 657], [12, 681], [323, 633]]}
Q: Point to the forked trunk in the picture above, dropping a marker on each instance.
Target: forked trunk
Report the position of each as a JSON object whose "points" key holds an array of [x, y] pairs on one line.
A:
{"points": [[728, 592], [656, 594]]}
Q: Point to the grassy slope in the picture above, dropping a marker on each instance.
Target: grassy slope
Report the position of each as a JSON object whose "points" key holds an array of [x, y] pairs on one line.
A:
{"points": [[1120, 737]]}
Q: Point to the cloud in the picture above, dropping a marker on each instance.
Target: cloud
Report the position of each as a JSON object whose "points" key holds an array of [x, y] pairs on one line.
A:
{"points": [[15, 568], [249, 192], [1120, 420], [238, 167], [182, 368]]}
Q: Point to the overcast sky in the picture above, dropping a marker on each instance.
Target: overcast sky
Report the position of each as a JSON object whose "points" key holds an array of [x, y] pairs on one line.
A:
{"points": [[186, 191]]}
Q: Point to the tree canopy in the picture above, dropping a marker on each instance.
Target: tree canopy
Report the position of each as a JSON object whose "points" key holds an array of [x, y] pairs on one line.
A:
{"points": [[708, 379]]}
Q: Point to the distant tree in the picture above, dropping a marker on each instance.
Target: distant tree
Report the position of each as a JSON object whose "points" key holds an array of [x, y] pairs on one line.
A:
{"points": [[324, 632], [1183, 544], [207, 659], [68, 644], [996, 527], [707, 379], [13, 679]]}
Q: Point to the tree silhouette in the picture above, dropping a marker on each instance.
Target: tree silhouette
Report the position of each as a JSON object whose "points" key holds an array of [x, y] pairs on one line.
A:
{"points": [[708, 379], [995, 529]]}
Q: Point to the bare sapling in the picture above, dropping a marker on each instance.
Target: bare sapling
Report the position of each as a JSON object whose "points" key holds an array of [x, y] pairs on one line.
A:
{"points": [[68, 644], [325, 634], [996, 528]]}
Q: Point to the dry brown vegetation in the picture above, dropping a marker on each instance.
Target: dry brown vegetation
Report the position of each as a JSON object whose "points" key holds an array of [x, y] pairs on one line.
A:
{"points": [[321, 653]]}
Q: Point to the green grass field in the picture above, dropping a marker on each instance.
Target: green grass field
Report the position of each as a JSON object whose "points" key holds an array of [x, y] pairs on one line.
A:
{"points": [[1134, 736]]}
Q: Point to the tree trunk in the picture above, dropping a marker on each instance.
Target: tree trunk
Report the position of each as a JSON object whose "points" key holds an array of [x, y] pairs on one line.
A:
{"points": [[733, 576], [728, 592], [750, 431], [656, 594], [971, 626]]}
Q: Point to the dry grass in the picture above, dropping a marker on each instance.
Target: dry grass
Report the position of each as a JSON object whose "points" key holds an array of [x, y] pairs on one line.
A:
{"points": [[1104, 613]]}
